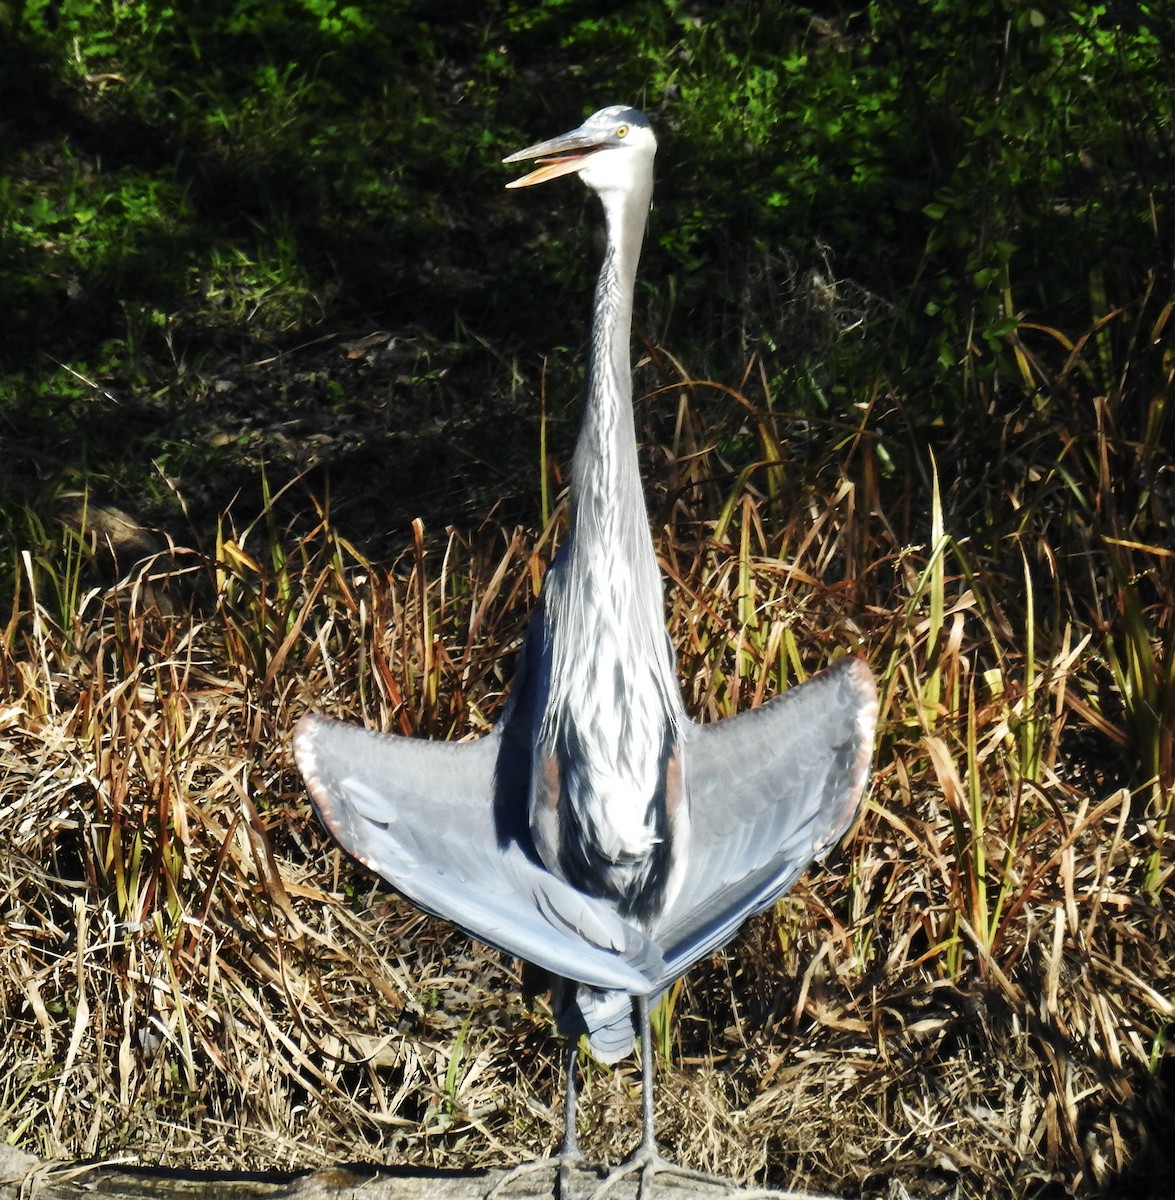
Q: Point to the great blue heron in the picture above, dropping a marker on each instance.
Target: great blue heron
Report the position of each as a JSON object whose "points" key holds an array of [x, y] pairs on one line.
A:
{"points": [[597, 831]]}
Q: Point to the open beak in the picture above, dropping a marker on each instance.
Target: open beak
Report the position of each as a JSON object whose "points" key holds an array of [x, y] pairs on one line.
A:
{"points": [[559, 156]]}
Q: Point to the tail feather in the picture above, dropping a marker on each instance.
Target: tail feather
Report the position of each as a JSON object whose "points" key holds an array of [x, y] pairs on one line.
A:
{"points": [[607, 1019]]}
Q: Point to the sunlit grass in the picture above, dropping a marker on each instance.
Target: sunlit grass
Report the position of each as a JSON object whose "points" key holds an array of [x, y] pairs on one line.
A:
{"points": [[182, 939]]}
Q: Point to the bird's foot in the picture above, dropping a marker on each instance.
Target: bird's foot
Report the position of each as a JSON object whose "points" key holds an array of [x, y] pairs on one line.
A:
{"points": [[564, 1165], [645, 1163], [649, 1161]]}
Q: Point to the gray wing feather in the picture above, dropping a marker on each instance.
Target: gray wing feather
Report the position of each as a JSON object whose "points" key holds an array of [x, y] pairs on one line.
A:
{"points": [[422, 816], [770, 790]]}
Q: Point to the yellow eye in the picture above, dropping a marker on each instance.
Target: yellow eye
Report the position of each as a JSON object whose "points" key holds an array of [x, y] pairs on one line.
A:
{"points": [[622, 131]]}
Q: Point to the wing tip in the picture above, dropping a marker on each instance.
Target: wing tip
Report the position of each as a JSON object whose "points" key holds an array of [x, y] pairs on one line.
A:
{"points": [[305, 757], [868, 711], [303, 744], [325, 803], [857, 674], [305, 731], [866, 701]]}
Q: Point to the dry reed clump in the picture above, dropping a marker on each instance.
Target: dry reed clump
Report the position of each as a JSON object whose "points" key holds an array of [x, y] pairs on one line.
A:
{"points": [[974, 996]]}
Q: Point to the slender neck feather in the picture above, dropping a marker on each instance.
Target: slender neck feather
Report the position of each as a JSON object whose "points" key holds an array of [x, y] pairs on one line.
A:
{"points": [[607, 502]]}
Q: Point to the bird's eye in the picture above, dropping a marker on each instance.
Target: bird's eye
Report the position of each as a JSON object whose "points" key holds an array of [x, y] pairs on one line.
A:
{"points": [[622, 131]]}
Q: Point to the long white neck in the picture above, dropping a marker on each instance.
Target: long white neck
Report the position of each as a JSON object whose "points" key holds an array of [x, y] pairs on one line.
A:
{"points": [[607, 501]]}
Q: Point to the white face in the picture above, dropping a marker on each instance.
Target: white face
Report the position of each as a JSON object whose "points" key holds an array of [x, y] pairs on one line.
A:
{"points": [[627, 157]]}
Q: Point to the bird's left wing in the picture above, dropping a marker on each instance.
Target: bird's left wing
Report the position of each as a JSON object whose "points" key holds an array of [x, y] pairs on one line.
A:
{"points": [[421, 815], [770, 790]]}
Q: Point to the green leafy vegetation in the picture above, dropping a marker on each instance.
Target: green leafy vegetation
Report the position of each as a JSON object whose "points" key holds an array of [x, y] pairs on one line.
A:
{"points": [[287, 393]]}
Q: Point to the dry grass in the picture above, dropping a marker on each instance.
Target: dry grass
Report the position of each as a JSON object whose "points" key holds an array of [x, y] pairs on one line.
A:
{"points": [[973, 998]]}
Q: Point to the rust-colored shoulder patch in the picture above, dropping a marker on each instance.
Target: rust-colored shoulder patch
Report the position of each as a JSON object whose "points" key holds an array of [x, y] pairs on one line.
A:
{"points": [[673, 789]]}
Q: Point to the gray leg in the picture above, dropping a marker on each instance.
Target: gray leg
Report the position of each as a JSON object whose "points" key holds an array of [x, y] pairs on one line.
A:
{"points": [[648, 1149], [570, 1154], [647, 1158]]}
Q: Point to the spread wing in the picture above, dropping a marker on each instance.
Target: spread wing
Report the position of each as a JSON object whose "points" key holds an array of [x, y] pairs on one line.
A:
{"points": [[770, 790], [429, 818]]}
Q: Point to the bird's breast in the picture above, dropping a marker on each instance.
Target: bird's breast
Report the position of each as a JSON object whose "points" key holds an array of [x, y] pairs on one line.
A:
{"points": [[607, 776]]}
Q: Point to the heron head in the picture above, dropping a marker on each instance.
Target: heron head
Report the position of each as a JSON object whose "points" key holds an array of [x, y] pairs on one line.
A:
{"points": [[612, 150]]}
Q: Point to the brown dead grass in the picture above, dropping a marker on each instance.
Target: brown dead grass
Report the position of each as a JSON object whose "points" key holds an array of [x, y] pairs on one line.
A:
{"points": [[974, 997]]}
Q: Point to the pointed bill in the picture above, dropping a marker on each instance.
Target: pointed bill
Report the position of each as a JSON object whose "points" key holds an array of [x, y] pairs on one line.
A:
{"points": [[557, 156]]}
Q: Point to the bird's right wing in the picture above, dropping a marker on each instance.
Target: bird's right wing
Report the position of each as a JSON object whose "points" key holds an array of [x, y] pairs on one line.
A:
{"points": [[770, 791], [421, 815]]}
